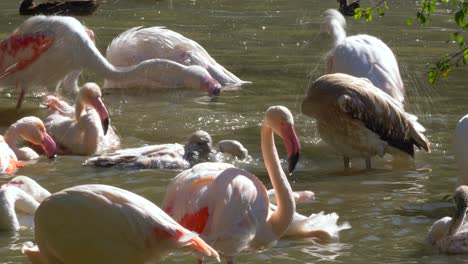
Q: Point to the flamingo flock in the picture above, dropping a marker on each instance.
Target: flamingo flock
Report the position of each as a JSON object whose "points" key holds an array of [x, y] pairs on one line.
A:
{"points": [[212, 208]]}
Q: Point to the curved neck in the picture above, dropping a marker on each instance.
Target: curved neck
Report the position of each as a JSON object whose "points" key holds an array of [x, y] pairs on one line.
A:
{"points": [[10, 137], [337, 31], [457, 222], [12, 199], [91, 130], [282, 217]]}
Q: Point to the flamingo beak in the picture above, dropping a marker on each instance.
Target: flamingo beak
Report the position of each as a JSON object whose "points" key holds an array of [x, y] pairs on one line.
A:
{"points": [[212, 86], [49, 146], [103, 113], [293, 147]]}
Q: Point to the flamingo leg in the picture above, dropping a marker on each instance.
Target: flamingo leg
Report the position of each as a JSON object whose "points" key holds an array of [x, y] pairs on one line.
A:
{"points": [[347, 163], [200, 261], [368, 163], [230, 260], [21, 95]]}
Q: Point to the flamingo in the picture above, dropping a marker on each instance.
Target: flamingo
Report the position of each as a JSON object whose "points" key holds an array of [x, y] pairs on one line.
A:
{"points": [[138, 44], [8, 160], [348, 9], [359, 120], [460, 147], [168, 156], [19, 199], [106, 224], [362, 56], [450, 235], [45, 50], [83, 129], [65, 8], [31, 129], [228, 206]]}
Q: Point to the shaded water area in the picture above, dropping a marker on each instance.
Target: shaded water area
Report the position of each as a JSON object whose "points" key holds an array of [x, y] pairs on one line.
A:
{"points": [[276, 45]]}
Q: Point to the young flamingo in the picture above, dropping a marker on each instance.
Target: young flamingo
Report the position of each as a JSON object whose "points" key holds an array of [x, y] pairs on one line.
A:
{"points": [[228, 206]]}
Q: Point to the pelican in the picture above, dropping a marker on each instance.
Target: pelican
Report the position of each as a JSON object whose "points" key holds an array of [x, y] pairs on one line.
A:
{"points": [[359, 120]]}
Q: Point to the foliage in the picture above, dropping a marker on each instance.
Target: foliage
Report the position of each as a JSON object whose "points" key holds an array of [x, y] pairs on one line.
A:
{"points": [[458, 9]]}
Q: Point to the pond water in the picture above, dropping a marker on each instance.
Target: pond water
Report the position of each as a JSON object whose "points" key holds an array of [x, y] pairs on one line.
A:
{"points": [[276, 45]]}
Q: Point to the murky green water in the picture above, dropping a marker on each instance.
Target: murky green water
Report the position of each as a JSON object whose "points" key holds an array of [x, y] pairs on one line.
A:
{"points": [[276, 44]]}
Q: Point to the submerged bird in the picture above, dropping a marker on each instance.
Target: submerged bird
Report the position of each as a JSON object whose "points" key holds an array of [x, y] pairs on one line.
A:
{"points": [[52, 50], [83, 129], [460, 149], [363, 56], [138, 44], [450, 235], [64, 8], [19, 199], [228, 206], [104, 224], [32, 130], [348, 9], [168, 156], [8, 160], [359, 120]]}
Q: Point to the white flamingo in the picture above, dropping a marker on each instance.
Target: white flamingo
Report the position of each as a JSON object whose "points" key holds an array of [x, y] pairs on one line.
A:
{"points": [[45, 49], [32, 130], [228, 206], [83, 129], [19, 199], [359, 120], [362, 56], [97, 224], [450, 235], [460, 148], [138, 44]]}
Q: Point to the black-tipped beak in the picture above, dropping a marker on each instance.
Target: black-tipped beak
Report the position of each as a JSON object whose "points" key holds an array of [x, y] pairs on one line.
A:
{"points": [[105, 125], [292, 161]]}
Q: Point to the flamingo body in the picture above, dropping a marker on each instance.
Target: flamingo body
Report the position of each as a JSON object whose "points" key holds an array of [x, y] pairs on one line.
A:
{"points": [[8, 160], [359, 120], [19, 199], [138, 44], [363, 56], [83, 129], [230, 206], [105, 224]]}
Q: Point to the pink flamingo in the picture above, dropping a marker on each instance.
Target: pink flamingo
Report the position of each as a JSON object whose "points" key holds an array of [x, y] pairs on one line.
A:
{"points": [[83, 129], [228, 206], [32, 130], [20, 198], [8, 160], [44, 50], [138, 44], [363, 56], [105, 224]]}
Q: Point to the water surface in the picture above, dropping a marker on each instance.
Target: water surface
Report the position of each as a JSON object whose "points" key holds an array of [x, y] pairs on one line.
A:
{"points": [[276, 45]]}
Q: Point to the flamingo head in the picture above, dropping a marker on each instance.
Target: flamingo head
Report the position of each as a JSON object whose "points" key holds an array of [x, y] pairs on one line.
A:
{"points": [[90, 95], [199, 77], [199, 147], [34, 131], [461, 201], [280, 119]]}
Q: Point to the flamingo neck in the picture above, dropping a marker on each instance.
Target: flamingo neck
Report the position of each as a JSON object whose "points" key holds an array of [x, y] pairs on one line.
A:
{"points": [[10, 137], [91, 130], [286, 207], [456, 223], [12, 199], [337, 31]]}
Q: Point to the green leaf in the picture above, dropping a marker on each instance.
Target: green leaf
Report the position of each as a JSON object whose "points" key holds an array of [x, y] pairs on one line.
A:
{"points": [[368, 14], [460, 41], [380, 12], [432, 77], [454, 36], [409, 21], [358, 13], [459, 17], [465, 53]]}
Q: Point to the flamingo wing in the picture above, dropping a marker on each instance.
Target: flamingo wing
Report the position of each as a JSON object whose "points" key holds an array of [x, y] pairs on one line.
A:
{"points": [[8, 160], [105, 224], [21, 50]]}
